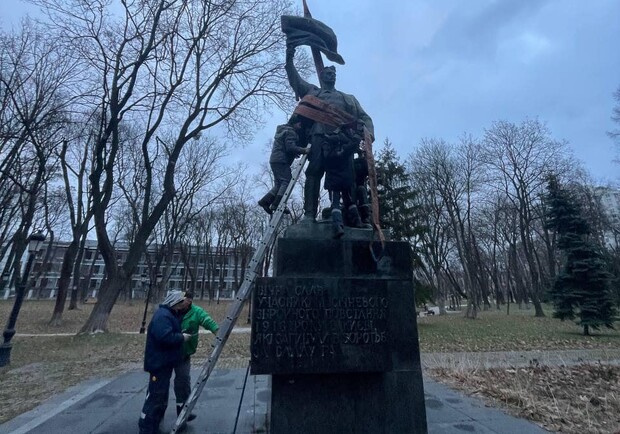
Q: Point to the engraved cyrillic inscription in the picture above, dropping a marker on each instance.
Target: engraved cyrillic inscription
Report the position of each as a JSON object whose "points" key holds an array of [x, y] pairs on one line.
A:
{"points": [[312, 326]]}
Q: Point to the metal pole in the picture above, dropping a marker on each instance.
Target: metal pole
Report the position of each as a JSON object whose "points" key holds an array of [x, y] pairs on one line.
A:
{"points": [[146, 307], [5, 285], [9, 331]]}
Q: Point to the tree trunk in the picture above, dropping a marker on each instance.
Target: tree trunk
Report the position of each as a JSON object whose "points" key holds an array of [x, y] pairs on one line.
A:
{"points": [[108, 293], [586, 330], [472, 310], [50, 252], [77, 274], [89, 277], [534, 273], [203, 281], [539, 312], [63, 282]]}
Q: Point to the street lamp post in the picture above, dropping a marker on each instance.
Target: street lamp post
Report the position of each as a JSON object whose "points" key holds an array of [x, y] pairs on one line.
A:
{"points": [[5, 284], [146, 302], [158, 280], [34, 241]]}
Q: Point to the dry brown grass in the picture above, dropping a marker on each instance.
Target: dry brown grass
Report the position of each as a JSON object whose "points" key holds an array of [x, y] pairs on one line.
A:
{"points": [[577, 399], [572, 400], [125, 317]]}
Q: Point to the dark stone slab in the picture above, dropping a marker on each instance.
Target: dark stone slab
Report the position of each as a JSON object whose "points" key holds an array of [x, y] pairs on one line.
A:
{"points": [[342, 258], [322, 230], [377, 403], [323, 291], [311, 325]]}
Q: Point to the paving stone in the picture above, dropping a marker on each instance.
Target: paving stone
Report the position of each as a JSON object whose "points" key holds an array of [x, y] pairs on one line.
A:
{"points": [[113, 408]]}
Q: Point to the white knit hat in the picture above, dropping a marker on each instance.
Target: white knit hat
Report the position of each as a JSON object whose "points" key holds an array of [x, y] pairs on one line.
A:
{"points": [[175, 297]]}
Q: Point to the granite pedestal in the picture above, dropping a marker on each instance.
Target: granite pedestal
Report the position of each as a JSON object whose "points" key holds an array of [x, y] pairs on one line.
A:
{"points": [[336, 330]]}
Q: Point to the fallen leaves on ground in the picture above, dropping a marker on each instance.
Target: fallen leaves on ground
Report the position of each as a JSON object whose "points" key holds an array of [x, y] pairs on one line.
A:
{"points": [[568, 399], [35, 315]]}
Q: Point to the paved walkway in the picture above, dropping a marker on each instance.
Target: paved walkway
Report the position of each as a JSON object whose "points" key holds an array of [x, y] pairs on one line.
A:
{"points": [[471, 360], [112, 406]]}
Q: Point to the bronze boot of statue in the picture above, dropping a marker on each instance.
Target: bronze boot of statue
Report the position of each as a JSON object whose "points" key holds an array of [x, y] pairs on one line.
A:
{"points": [[312, 189], [337, 223], [365, 216], [353, 217]]}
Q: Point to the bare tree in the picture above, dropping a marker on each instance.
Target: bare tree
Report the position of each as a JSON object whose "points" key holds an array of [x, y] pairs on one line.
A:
{"points": [[202, 180], [180, 66], [452, 175], [76, 162], [435, 244], [34, 78], [519, 157]]}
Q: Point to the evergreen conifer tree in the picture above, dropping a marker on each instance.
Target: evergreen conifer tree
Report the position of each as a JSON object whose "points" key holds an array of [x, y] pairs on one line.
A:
{"points": [[581, 290], [399, 209], [397, 196]]}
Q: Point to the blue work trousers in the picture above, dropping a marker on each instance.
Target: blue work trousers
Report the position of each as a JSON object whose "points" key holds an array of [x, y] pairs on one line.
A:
{"points": [[156, 401]]}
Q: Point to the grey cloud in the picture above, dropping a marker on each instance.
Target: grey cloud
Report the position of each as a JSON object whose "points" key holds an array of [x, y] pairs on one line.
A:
{"points": [[474, 30]]}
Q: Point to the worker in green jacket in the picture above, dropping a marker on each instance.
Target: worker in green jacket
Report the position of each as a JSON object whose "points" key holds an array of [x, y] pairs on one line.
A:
{"points": [[193, 319]]}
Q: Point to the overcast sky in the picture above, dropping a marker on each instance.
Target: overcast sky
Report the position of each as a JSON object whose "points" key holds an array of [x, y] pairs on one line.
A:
{"points": [[441, 68]]}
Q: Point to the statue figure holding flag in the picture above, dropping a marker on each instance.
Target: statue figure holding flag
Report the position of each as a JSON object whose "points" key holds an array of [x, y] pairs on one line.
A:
{"points": [[339, 121]]}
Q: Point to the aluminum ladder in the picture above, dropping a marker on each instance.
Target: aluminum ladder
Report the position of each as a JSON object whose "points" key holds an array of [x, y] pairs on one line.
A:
{"points": [[242, 295]]}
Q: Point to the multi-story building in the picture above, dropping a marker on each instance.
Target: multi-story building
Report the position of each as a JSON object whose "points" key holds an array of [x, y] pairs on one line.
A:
{"points": [[216, 274]]}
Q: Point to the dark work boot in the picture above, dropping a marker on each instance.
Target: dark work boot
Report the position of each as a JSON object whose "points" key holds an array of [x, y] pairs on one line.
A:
{"points": [[365, 216], [276, 202], [266, 201], [337, 223]]}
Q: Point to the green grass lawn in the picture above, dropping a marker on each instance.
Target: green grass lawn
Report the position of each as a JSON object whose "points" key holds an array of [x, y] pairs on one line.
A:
{"points": [[495, 331]]}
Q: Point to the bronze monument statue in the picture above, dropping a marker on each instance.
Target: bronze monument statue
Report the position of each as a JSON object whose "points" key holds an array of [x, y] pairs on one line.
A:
{"points": [[338, 122], [333, 326]]}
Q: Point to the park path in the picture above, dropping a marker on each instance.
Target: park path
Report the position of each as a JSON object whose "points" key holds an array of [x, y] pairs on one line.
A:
{"points": [[494, 359], [466, 360], [498, 359]]}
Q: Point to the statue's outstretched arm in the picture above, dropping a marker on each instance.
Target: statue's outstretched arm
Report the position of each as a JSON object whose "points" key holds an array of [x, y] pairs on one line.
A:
{"points": [[299, 85]]}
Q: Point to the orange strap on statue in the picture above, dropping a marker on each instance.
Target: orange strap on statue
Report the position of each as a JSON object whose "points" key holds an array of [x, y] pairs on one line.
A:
{"points": [[317, 110], [372, 180]]}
